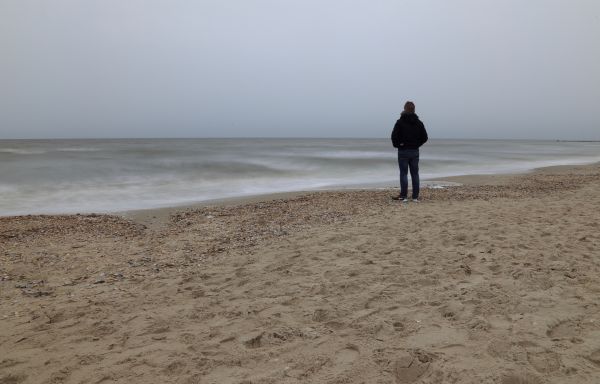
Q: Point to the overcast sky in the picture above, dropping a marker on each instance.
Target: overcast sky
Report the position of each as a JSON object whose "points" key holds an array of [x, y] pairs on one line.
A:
{"points": [[299, 68]]}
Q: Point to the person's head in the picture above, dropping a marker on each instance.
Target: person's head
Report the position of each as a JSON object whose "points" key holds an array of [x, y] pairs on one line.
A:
{"points": [[409, 107]]}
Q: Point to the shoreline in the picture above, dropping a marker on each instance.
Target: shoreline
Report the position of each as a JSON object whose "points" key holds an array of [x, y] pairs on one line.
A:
{"points": [[153, 217], [156, 217]]}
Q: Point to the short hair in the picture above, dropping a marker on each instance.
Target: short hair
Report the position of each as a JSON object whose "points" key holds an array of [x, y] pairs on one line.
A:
{"points": [[409, 106]]}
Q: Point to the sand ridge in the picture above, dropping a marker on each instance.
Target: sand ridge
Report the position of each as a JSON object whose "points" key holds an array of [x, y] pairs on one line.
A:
{"points": [[476, 284]]}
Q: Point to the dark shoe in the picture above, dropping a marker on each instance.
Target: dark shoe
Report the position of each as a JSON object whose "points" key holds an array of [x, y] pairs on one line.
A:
{"points": [[401, 198]]}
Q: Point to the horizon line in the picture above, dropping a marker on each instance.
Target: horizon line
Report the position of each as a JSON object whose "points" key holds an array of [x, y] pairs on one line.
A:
{"points": [[286, 138]]}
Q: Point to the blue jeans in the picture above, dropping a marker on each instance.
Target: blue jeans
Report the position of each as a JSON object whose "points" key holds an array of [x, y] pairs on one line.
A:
{"points": [[409, 158]]}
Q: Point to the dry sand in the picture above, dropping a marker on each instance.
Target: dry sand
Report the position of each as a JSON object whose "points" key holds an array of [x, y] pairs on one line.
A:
{"points": [[493, 282]]}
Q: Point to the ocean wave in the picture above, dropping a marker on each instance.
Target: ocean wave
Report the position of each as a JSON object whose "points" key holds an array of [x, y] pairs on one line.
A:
{"points": [[19, 151], [62, 176], [353, 155], [78, 149]]}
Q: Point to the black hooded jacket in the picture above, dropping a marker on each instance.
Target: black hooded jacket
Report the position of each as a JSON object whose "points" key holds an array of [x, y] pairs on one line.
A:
{"points": [[409, 132]]}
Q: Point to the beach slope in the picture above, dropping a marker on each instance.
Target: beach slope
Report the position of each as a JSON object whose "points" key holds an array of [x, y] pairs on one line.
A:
{"points": [[492, 282]]}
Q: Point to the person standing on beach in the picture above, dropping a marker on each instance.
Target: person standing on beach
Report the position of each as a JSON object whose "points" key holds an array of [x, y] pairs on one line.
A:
{"points": [[408, 135]]}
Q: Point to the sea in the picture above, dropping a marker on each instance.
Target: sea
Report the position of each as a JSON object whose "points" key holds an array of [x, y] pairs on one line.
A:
{"points": [[84, 176]]}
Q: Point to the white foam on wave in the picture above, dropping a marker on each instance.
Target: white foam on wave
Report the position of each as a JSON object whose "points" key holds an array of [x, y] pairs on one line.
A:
{"points": [[20, 151], [504, 168], [352, 155], [78, 149], [130, 193]]}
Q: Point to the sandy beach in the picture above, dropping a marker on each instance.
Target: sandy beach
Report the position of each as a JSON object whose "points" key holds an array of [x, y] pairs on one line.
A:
{"points": [[495, 281]]}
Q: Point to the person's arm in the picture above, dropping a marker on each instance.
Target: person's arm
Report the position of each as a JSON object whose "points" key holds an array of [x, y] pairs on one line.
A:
{"points": [[395, 135], [424, 136]]}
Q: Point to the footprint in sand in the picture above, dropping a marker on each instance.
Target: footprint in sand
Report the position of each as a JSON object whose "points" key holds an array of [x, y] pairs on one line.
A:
{"points": [[7, 363], [544, 362], [175, 368], [346, 355], [320, 315], [594, 357], [344, 358], [521, 379], [563, 330], [12, 379], [410, 367], [90, 359], [500, 348]]}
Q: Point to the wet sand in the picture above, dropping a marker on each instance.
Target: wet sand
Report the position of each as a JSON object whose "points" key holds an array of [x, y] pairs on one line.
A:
{"points": [[495, 281]]}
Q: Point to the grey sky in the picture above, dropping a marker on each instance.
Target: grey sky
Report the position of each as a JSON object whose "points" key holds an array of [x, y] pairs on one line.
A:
{"points": [[206, 68]]}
